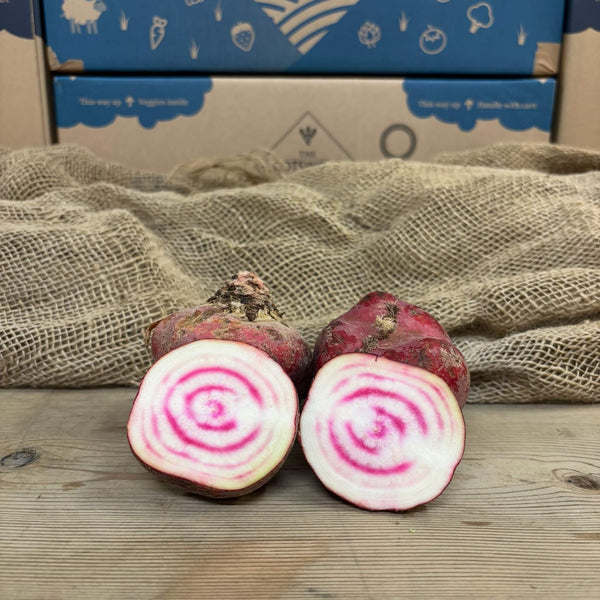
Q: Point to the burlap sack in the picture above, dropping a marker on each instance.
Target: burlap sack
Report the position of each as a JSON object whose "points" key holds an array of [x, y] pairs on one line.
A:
{"points": [[502, 245]]}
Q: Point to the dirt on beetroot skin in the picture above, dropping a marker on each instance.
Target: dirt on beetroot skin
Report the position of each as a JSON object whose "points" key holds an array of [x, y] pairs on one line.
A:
{"points": [[383, 325], [241, 310]]}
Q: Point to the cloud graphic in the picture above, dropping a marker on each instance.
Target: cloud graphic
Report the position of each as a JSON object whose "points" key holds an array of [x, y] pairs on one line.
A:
{"points": [[15, 17], [518, 104], [97, 101], [582, 15]]}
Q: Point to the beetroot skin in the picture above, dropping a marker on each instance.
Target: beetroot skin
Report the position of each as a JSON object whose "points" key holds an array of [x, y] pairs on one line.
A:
{"points": [[383, 325], [240, 311]]}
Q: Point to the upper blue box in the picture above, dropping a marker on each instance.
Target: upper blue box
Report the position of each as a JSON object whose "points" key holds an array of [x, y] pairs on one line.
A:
{"points": [[20, 18], [492, 37], [582, 15]]}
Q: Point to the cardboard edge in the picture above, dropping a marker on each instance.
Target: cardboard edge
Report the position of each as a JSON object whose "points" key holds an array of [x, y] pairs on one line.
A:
{"points": [[45, 94], [72, 65], [546, 59]]}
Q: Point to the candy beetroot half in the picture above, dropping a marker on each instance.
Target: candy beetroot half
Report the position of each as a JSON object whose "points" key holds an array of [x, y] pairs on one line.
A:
{"points": [[381, 434], [382, 426], [216, 417], [241, 310], [382, 325]]}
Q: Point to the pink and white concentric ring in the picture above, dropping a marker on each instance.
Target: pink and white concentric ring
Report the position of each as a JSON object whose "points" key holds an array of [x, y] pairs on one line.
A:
{"points": [[219, 414], [381, 434]]}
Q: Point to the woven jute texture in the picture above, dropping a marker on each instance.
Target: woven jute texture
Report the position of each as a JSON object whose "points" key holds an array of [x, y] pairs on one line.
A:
{"points": [[502, 245]]}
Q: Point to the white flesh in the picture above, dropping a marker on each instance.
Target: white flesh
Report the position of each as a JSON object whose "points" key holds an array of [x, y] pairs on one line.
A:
{"points": [[216, 413], [381, 434]]}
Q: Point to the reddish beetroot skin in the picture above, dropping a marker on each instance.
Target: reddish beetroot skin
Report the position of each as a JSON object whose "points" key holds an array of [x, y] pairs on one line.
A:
{"points": [[383, 325], [240, 311]]}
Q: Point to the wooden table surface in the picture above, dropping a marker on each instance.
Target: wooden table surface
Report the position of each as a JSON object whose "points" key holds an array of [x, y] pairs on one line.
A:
{"points": [[80, 518]]}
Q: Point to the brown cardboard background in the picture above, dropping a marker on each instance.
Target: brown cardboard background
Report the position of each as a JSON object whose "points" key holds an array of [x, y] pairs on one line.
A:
{"points": [[24, 102], [244, 114], [578, 117]]}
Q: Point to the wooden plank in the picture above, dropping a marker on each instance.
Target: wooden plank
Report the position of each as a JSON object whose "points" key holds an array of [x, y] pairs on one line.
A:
{"points": [[520, 519]]}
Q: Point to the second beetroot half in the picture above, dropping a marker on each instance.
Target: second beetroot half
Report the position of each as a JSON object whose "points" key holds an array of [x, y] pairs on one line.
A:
{"points": [[382, 325]]}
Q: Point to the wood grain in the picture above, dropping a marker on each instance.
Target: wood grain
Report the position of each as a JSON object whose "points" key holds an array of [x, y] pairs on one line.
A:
{"points": [[82, 519]]}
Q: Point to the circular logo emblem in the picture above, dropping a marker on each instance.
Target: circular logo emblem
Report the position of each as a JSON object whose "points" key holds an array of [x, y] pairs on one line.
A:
{"points": [[394, 134]]}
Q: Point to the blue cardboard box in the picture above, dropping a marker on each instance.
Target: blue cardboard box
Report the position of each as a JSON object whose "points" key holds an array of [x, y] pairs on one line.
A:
{"points": [[578, 122], [482, 37], [23, 94], [158, 122]]}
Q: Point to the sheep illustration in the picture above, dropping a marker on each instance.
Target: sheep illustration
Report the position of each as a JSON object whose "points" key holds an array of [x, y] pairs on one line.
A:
{"points": [[83, 12]]}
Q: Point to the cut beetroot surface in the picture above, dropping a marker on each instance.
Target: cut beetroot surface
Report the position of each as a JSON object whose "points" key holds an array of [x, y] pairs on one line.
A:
{"points": [[381, 434], [217, 417]]}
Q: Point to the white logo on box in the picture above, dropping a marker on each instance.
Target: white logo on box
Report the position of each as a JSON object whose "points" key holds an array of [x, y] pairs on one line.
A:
{"points": [[308, 142], [305, 22]]}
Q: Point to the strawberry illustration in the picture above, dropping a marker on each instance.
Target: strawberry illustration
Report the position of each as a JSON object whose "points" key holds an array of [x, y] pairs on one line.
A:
{"points": [[242, 35], [157, 31]]}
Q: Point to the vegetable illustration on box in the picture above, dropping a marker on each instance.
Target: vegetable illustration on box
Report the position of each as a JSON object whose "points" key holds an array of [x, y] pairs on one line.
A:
{"points": [[403, 22], [83, 12], [433, 40], [475, 37], [369, 34], [194, 50], [243, 36], [157, 31], [481, 16], [123, 21]]}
